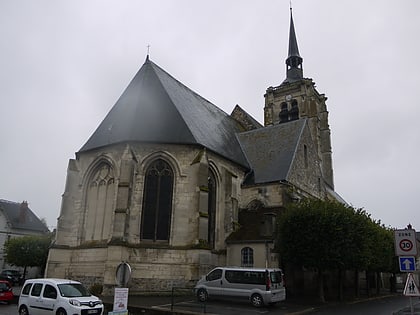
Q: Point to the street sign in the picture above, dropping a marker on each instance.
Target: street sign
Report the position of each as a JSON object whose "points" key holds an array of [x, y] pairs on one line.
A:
{"points": [[405, 242], [411, 288], [123, 274], [407, 263]]}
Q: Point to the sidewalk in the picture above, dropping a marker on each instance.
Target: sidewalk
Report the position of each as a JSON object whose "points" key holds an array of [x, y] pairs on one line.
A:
{"points": [[145, 304], [407, 310]]}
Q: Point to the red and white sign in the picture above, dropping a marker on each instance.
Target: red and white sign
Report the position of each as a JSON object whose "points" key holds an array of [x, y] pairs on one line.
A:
{"points": [[411, 288], [405, 242]]}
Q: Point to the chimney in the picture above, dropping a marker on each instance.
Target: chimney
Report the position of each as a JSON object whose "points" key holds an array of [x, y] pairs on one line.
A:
{"points": [[23, 211]]}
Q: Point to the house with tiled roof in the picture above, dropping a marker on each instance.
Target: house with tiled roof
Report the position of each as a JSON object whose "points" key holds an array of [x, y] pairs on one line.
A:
{"points": [[174, 186], [17, 219]]}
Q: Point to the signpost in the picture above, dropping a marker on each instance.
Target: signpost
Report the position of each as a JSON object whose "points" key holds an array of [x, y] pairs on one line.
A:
{"points": [[407, 263], [122, 276], [406, 250], [411, 289], [405, 242]]}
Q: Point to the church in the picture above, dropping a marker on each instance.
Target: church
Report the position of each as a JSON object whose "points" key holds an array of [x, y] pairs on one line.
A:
{"points": [[174, 186]]}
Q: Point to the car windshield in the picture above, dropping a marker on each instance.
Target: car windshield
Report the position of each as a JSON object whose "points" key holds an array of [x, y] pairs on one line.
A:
{"points": [[73, 290]]}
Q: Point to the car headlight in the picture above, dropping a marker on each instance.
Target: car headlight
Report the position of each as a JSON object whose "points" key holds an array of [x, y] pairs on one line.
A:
{"points": [[74, 302]]}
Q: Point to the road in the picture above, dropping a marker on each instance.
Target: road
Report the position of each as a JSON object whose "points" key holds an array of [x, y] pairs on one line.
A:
{"points": [[10, 309], [383, 306], [376, 306]]}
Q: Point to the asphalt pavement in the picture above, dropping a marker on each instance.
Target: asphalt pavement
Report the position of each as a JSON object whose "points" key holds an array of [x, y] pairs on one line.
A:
{"points": [[188, 305]]}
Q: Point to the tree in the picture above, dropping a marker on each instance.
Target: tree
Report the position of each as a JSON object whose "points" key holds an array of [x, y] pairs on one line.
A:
{"points": [[27, 251], [327, 235]]}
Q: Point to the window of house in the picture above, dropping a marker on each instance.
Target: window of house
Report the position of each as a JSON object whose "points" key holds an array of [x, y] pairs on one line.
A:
{"points": [[157, 201], [247, 257]]}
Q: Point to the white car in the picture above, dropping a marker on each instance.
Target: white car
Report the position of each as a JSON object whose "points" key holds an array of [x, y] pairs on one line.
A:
{"points": [[58, 297]]}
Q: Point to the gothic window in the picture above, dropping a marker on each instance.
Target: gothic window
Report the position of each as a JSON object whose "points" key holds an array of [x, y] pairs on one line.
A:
{"points": [[284, 113], [247, 257], [100, 193], [255, 205], [294, 111], [212, 209], [157, 202]]}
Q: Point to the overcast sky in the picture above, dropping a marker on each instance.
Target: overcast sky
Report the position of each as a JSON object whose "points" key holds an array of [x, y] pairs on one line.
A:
{"points": [[63, 65]]}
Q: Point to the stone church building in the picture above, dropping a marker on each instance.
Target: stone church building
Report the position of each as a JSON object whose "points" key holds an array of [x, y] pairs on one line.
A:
{"points": [[174, 186]]}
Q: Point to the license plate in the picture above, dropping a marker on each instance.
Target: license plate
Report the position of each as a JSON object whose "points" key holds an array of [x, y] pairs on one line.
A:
{"points": [[92, 312]]}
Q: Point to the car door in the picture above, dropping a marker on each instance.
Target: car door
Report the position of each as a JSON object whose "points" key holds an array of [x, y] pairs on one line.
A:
{"points": [[49, 299], [213, 282], [34, 299]]}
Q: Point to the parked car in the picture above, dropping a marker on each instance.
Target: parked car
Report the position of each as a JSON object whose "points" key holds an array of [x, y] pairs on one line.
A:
{"points": [[58, 297], [6, 291], [259, 286], [13, 276]]}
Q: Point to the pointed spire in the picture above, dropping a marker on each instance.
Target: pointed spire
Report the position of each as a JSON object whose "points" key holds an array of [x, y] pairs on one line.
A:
{"points": [[294, 60], [293, 46]]}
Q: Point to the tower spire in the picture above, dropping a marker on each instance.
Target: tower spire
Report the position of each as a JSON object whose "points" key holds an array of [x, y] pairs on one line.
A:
{"points": [[294, 69]]}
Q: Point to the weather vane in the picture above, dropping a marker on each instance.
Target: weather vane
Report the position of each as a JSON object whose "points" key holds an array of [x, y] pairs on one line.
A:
{"points": [[148, 49]]}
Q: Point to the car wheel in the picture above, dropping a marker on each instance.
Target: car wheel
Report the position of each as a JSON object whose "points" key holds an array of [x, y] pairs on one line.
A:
{"points": [[61, 312], [257, 300], [23, 310], [202, 295]]}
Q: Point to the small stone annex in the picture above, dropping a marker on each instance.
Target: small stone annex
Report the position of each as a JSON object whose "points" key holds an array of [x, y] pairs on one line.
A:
{"points": [[174, 186]]}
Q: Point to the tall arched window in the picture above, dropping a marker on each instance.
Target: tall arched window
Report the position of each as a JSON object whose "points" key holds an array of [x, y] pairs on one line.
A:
{"points": [[99, 203], [212, 208], [247, 257], [157, 202]]}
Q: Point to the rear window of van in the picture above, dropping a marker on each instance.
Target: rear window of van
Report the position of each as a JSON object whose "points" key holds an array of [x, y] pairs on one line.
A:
{"points": [[275, 277]]}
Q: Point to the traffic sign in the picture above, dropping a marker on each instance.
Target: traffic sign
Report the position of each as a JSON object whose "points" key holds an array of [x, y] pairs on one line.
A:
{"points": [[405, 242], [411, 288], [407, 263], [123, 274]]}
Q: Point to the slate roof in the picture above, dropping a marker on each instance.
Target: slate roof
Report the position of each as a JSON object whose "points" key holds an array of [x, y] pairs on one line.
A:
{"points": [[271, 150], [157, 108], [19, 216]]}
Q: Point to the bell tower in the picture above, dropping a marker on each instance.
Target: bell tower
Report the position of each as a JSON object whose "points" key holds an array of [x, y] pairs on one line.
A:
{"points": [[297, 98]]}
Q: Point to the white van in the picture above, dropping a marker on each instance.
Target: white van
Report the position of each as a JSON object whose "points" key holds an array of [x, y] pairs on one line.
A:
{"points": [[58, 297], [259, 286]]}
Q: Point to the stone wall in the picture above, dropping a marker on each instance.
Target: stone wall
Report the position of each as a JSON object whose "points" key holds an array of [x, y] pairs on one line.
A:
{"points": [[156, 266]]}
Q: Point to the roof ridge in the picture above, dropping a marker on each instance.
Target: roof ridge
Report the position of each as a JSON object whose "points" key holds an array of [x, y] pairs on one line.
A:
{"points": [[169, 96], [304, 122]]}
